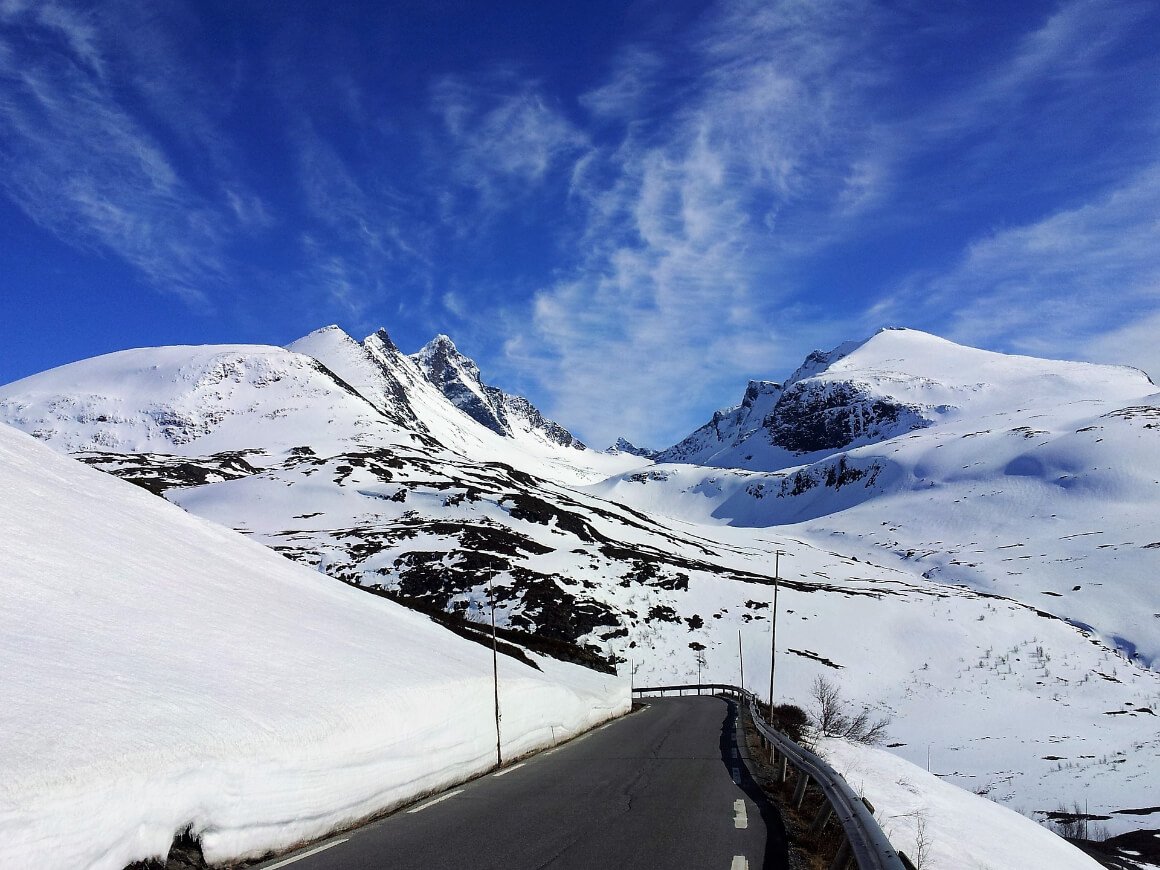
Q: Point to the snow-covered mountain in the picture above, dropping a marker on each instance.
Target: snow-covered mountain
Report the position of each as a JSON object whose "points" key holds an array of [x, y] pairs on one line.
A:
{"points": [[163, 675], [192, 401], [728, 430], [623, 445], [1028, 478], [897, 381], [344, 456], [457, 377], [446, 399]]}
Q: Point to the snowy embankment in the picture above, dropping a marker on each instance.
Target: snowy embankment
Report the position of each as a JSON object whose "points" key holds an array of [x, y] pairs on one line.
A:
{"points": [[162, 673], [941, 826]]}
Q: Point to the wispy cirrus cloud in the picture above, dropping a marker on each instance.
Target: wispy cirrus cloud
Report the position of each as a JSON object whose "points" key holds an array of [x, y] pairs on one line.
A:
{"points": [[796, 138], [1085, 270], [688, 221], [1059, 286], [83, 167], [500, 138], [630, 88], [359, 234]]}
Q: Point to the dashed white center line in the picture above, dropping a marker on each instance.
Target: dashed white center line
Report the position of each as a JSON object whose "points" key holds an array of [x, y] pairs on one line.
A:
{"points": [[740, 818], [313, 851], [508, 770], [739, 863], [437, 800]]}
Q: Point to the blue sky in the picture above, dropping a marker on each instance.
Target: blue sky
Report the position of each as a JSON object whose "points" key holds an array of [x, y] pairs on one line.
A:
{"points": [[623, 210]]}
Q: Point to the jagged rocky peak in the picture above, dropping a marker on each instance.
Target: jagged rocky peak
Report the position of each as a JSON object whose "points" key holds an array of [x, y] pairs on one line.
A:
{"points": [[458, 378], [441, 351], [728, 428], [756, 391], [623, 445], [371, 368], [380, 341]]}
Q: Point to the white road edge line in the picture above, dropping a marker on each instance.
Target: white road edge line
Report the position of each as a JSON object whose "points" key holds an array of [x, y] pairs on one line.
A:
{"points": [[313, 851], [739, 863], [508, 770], [740, 818], [437, 800]]}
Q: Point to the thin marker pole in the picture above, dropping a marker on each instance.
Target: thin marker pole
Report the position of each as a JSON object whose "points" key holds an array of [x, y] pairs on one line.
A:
{"points": [[777, 554], [741, 655], [495, 670]]}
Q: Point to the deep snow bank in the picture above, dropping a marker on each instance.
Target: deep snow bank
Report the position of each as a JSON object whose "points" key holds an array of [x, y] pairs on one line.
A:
{"points": [[959, 829], [162, 672]]}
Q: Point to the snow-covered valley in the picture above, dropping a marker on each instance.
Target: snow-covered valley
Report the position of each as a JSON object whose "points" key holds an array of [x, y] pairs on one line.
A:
{"points": [[965, 534]]}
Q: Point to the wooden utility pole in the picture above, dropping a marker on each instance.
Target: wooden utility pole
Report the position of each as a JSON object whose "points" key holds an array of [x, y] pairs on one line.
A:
{"points": [[777, 554], [495, 669], [741, 656]]}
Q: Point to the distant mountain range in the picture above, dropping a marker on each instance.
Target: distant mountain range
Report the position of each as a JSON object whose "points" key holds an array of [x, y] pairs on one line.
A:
{"points": [[967, 533]]}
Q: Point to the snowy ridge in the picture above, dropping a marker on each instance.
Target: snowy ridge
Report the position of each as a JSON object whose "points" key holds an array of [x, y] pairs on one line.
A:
{"points": [[189, 401], [376, 376], [291, 705], [397, 385], [728, 428], [623, 445]]}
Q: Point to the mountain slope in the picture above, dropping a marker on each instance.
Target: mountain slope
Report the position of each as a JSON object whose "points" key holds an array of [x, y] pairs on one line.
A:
{"points": [[162, 673]]}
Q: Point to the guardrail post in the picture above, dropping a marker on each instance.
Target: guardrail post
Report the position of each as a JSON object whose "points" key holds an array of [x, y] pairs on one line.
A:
{"points": [[782, 771], [820, 820], [799, 792], [843, 859]]}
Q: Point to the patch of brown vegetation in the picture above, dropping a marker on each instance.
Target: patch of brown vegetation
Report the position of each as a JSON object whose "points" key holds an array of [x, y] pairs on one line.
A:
{"points": [[806, 852]]}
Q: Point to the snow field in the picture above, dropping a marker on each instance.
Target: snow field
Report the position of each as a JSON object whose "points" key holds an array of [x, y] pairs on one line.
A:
{"points": [[942, 827], [162, 673]]}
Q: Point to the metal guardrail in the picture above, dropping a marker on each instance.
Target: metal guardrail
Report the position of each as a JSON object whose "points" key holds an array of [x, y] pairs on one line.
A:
{"points": [[865, 841]]}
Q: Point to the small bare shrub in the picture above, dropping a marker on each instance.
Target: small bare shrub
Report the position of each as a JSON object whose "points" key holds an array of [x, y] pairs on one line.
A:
{"points": [[831, 716]]}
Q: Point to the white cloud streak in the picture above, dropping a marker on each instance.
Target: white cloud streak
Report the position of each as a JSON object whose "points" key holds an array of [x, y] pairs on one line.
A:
{"points": [[82, 167], [501, 139], [786, 146], [678, 297], [1057, 287]]}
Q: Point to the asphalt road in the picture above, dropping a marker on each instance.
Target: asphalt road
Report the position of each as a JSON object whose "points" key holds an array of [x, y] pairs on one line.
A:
{"points": [[655, 789]]}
